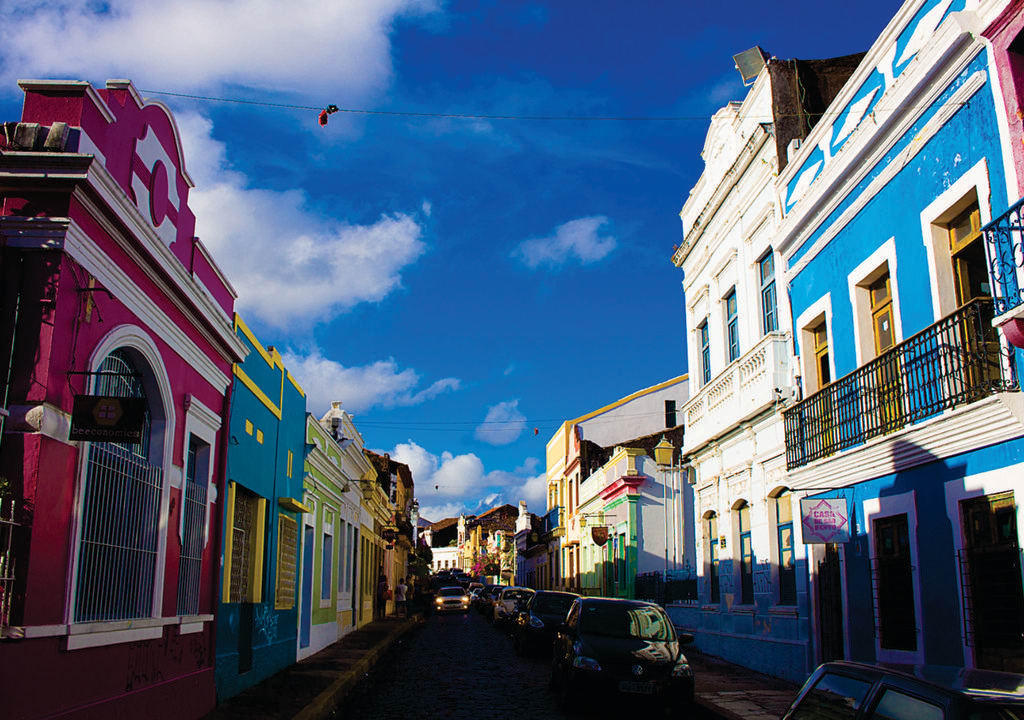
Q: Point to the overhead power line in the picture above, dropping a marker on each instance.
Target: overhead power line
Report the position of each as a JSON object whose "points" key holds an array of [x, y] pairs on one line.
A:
{"points": [[325, 110]]}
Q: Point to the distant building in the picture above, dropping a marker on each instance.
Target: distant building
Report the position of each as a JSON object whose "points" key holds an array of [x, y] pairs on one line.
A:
{"points": [[641, 413]]}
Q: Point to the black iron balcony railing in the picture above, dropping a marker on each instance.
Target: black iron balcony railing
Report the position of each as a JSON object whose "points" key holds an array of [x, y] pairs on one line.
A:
{"points": [[953, 362], [1005, 239]]}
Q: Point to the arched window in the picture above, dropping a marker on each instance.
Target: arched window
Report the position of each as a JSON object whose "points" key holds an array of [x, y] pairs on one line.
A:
{"points": [[123, 488], [711, 540], [746, 553], [783, 502]]}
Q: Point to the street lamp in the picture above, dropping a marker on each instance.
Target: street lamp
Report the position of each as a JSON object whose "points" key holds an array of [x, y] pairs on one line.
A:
{"points": [[664, 453]]}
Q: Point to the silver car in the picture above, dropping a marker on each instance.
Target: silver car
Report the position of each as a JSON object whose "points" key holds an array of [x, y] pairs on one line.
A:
{"points": [[509, 601], [451, 599]]}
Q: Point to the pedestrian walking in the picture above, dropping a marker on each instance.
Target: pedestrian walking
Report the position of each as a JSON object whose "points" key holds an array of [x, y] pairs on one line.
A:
{"points": [[400, 590], [381, 596]]}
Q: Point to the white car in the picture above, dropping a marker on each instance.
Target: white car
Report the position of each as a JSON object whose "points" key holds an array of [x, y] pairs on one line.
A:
{"points": [[451, 599], [508, 602]]}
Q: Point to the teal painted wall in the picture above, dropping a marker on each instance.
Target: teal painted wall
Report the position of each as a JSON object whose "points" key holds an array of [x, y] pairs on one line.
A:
{"points": [[255, 640]]}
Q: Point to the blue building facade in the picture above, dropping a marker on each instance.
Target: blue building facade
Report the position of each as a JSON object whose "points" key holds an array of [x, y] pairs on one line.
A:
{"points": [[257, 620], [911, 410]]}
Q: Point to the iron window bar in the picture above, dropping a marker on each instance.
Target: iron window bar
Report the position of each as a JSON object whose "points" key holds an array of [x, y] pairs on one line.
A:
{"points": [[1004, 237], [952, 362]]}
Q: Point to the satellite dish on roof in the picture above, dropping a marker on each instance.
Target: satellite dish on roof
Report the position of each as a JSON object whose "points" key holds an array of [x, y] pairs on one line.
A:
{"points": [[749, 63]]}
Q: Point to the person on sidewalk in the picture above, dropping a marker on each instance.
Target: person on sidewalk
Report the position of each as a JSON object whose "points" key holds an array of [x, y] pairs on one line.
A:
{"points": [[400, 603], [380, 598]]}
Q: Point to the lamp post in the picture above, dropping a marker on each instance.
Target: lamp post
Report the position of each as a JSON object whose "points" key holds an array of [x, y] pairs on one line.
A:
{"points": [[663, 453]]}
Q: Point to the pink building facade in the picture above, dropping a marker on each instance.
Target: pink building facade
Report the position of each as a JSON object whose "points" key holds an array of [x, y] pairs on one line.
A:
{"points": [[105, 290], [1006, 241]]}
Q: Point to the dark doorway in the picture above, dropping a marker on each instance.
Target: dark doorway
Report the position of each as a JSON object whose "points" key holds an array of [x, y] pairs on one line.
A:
{"points": [[991, 575], [893, 580], [830, 605]]}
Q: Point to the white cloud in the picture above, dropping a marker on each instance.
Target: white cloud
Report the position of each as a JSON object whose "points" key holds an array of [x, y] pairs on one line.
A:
{"points": [[436, 513], [503, 424], [448, 484], [291, 266], [379, 384], [575, 240], [301, 46]]}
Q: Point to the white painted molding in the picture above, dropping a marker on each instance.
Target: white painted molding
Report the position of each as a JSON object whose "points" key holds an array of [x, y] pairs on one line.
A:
{"points": [[985, 422], [976, 178], [885, 254]]}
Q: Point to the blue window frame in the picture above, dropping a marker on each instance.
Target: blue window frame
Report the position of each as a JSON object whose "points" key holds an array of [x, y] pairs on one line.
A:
{"points": [[713, 592], [787, 563], [732, 325], [746, 556], [769, 313], [326, 567], [705, 353]]}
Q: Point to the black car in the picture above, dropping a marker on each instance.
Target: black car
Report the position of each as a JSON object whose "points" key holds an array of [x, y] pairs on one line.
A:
{"points": [[855, 691], [535, 627], [624, 647], [483, 598]]}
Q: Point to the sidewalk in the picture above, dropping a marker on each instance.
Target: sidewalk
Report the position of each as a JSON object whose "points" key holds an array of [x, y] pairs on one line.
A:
{"points": [[312, 688], [736, 692]]}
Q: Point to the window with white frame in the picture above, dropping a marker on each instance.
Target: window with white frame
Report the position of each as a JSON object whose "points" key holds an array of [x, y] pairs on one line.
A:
{"points": [[769, 310], [732, 327], [746, 553], [705, 352], [327, 555], [342, 554], [711, 541], [193, 525], [122, 493], [783, 507]]}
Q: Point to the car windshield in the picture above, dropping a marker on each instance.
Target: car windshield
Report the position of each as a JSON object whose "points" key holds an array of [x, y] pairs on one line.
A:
{"points": [[625, 621], [517, 595], [451, 592], [552, 604]]}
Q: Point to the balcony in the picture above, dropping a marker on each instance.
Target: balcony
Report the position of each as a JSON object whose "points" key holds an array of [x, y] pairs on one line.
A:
{"points": [[1005, 239], [745, 388], [553, 522], [955, 361]]}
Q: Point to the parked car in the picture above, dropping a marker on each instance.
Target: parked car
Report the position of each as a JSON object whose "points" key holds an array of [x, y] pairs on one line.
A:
{"points": [[841, 690], [474, 586], [626, 647], [509, 602], [536, 625], [487, 601], [452, 598], [482, 598]]}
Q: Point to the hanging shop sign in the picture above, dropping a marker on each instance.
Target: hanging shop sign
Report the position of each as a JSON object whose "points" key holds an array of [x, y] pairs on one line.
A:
{"points": [[599, 535], [101, 418], [825, 520]]}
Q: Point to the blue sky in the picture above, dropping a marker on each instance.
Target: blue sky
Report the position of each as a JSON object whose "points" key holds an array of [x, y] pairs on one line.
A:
{"points": [[456, 283]]}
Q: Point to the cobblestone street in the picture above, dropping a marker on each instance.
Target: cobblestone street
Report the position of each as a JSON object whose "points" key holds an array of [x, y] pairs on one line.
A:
{"points": [[459, 666]]}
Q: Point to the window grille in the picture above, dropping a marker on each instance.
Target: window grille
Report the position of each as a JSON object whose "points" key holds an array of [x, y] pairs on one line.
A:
{"points": [[117, 553], [243, 545], [287, 564], [8, 523], [193, 528]]}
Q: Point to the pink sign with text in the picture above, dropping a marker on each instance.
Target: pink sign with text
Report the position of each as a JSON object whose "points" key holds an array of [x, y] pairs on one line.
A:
{"points": [[825, 520]]}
